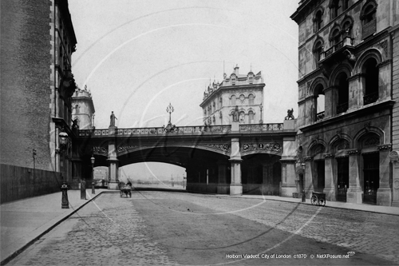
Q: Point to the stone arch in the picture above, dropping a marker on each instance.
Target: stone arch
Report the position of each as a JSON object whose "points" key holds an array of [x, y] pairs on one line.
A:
{"points": [[368, 132], [317, 81], [369, 53], [339, 143], [316, 148], [344, 67]]}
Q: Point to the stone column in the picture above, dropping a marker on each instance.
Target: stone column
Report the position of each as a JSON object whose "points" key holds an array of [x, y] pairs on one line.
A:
{"points": [[329, 93], [308, 182], [354, 193], [384, 192], [288, 174], [235, 160], [394, 156], [113, 179], [222, 187], [330, 182]]}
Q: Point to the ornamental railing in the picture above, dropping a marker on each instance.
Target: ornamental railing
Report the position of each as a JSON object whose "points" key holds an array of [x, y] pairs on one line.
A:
{"points": [[187, 130], [370, 98]]}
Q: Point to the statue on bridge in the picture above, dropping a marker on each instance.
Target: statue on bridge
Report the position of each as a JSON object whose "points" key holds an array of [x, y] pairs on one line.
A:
{"points": [[290, 115], [112, 118]]}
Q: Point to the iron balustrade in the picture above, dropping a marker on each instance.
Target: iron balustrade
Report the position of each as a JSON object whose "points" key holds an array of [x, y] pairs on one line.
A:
{"points": [[320, 116], [186, 130], [370, 98], [342, 107], [346, 41]]}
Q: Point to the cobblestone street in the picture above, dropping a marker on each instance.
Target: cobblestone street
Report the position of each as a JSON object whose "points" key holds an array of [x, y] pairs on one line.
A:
{"points": [[161, 228]]}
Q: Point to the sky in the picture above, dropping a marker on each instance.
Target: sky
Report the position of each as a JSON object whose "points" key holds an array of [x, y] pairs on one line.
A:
{"points": [[137, 56]]}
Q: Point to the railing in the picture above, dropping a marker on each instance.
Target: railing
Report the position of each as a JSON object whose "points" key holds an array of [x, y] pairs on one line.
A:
{"points": [[342, 107], [320, 116], [188, 130], [370, 98], [347, 41]]}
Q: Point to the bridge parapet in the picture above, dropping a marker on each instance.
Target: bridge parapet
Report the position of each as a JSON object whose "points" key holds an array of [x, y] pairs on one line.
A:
{"points": [[185, 130]]}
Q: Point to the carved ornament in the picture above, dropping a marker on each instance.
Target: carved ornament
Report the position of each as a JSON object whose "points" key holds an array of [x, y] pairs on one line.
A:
{"points": [[222, 147], [261, 147], [394, 156], [353, 152], [384, 147]]}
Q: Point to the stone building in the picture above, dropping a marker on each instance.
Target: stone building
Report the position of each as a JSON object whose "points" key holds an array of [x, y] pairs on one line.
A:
{"points": [[37, 41], [348, 100], [237, 90], [83, 109]]}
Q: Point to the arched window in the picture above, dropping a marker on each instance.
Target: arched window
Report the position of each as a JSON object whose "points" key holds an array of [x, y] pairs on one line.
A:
{"points": [[320, 102], [370, 71], [251, 116], [242, 117], [346, 26], [251, 98], [335, 7], [335, 37], [242, 98], [318, 50], [233, 100], [345, 4], [318, 20], [369, 25], [343, 93]]}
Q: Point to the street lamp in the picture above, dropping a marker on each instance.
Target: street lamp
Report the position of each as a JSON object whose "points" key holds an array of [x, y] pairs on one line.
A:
{"points": [[92, 168]]}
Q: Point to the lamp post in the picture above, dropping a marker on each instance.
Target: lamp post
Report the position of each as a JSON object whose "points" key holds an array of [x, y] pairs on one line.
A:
{"points": [[64, 141], [92, 173]]}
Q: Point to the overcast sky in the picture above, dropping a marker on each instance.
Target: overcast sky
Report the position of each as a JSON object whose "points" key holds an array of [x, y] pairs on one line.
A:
{"points": [[136, 57]]}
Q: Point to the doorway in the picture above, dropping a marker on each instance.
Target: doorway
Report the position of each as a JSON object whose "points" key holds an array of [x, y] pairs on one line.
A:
{"points": [[371, 172], [320, 171], [343, 178]]}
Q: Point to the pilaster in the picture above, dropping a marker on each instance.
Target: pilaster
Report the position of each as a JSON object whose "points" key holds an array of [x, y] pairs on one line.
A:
{"points": [[384, 192], [235, 160], [355, 191], [308, 182], [330, 183], [394, 157]]}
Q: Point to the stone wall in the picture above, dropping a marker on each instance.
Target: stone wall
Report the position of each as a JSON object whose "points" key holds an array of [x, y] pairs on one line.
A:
{"points": [[25, 83], [395, 83], [20, 182]]}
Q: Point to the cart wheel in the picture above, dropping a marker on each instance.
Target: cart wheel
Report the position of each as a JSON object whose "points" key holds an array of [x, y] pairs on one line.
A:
{"points": [[313, 200], [322, 202]]}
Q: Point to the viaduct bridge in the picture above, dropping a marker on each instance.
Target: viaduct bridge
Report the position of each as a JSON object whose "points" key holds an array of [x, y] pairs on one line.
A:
{"points": [[226, 159]]}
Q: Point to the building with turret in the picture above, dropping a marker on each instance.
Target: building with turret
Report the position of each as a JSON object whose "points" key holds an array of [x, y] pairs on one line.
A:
{"points": [[242, 91], [83, 109]]}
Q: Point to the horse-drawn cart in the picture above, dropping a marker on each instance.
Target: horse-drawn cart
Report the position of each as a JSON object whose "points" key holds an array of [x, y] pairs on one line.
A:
{"points": [[125, 189], [318, 198]]}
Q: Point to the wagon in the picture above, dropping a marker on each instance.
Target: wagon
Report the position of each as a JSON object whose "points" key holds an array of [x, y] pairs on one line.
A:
{"points": [[125, 190], [318, 198]]}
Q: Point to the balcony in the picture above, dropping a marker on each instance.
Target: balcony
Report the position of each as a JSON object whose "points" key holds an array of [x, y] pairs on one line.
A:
{"points": [[342, 107], [320, 116], [370, 98], [337, 50]]}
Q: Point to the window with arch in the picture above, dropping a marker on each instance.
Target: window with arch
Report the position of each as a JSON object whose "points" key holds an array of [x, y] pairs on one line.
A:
{"points": [[242, 98], [233, 100], [251, 117], [346, 26], [242, 117], [319, 102], [318, 20], [343, 92], [368, 18], [370, 70], [335, 37], [318, 50], [251, 98], [335, 7]]}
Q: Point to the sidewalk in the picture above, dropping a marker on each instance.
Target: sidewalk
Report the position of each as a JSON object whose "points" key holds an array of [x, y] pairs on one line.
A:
{"points": [[24, 221]]}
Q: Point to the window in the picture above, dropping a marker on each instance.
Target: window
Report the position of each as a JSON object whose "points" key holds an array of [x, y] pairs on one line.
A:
{"points": [[317, 20], [318, 50], [346, 26], [343, 93], [251, 98], [242, 98], [233, 100], [335, 37], [370, 70], [345, 4], [335, 7], [367, 16], [320, 102], [251, 116]]}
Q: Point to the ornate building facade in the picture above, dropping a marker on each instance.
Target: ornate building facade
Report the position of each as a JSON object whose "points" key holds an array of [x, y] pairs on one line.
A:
{"points": [[242, 91], [82, 109], [348, 99], [37, 85]]}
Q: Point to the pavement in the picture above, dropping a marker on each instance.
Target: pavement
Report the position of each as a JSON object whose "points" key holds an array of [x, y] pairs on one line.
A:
{"points": [[25, 221]]}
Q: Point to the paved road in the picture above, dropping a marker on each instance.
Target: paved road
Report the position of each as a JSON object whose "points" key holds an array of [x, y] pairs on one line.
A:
{"points": [[161, 228]]}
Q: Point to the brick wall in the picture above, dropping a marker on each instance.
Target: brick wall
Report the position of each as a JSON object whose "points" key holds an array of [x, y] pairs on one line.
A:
{"points": [[19, 182], [25, 82], [395, 83]]}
